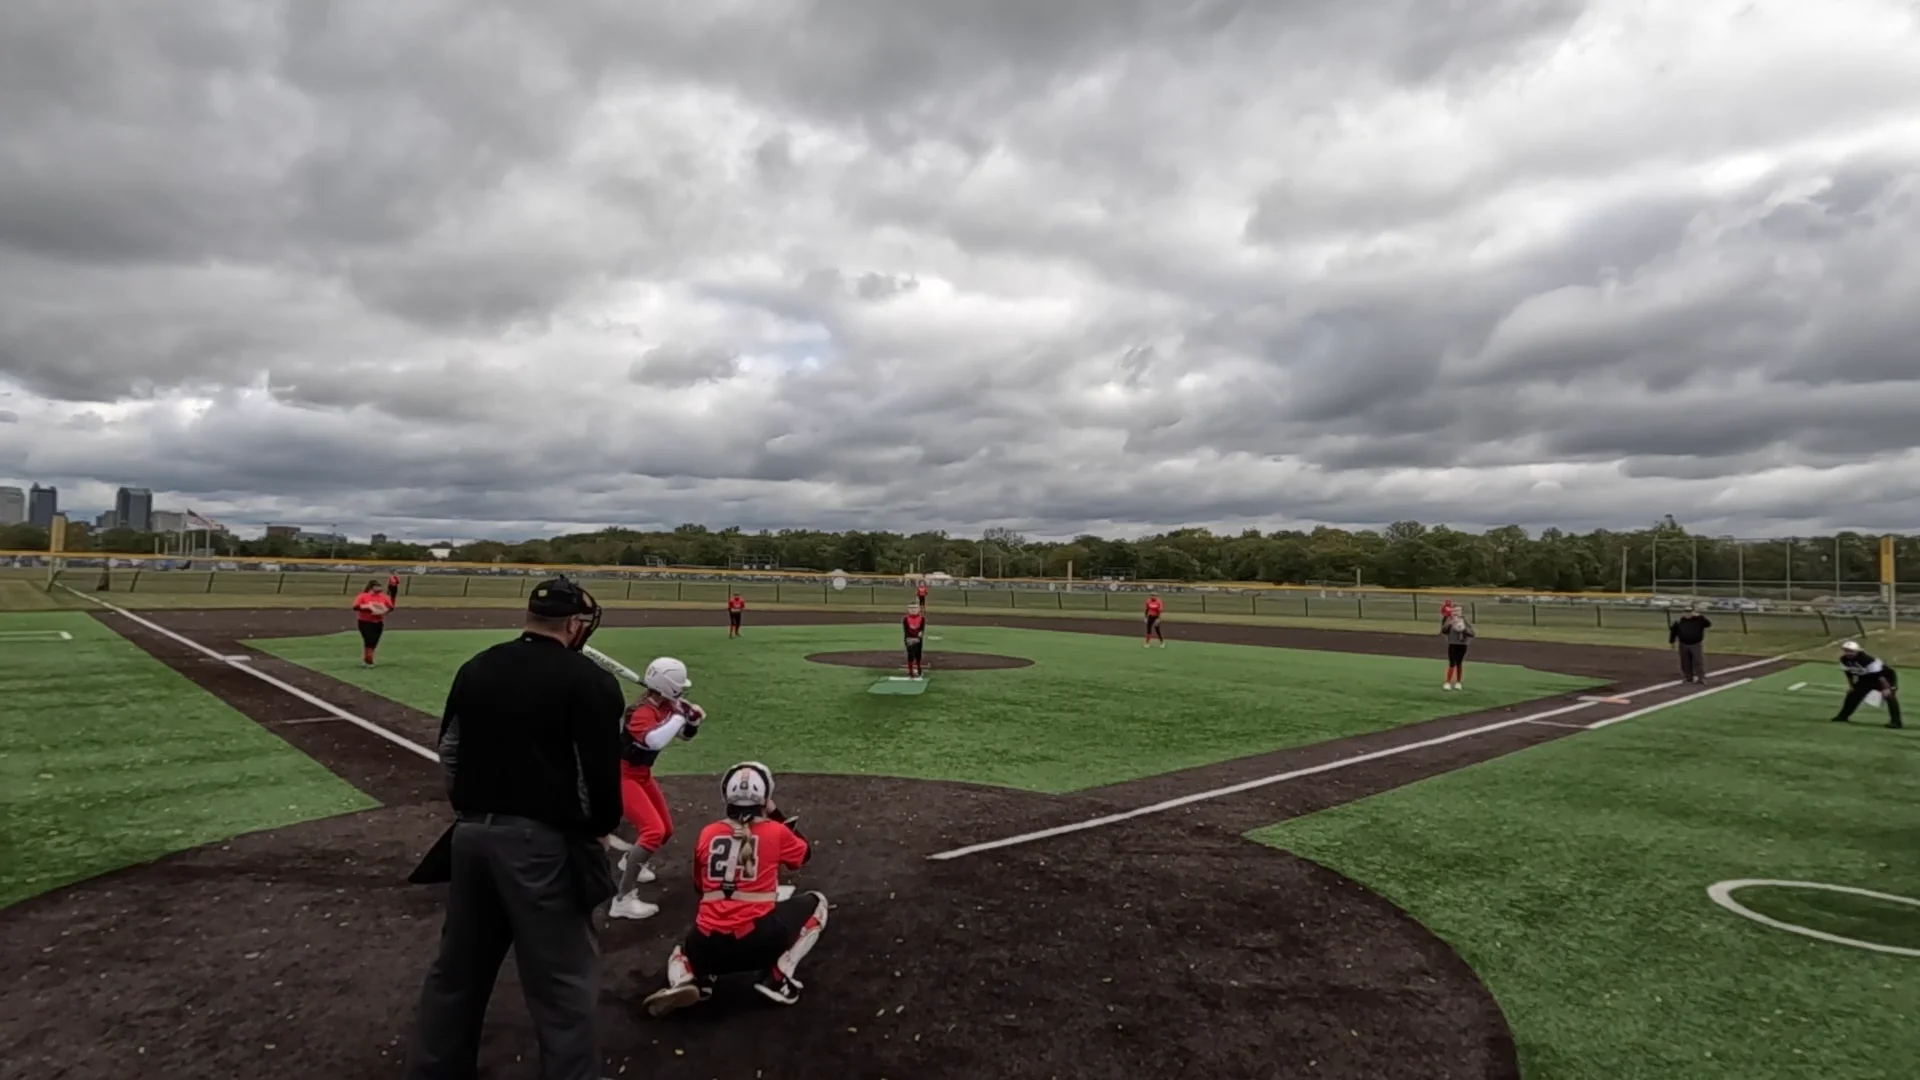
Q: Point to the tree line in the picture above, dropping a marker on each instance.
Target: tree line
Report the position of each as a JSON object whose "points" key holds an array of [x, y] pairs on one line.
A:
{"points": [[1406, 554]]}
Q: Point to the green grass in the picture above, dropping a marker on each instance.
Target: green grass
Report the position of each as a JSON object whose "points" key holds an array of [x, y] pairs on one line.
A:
{"points": [[1573, 878], [109, 758], [1093, 709], [1757, 635]]}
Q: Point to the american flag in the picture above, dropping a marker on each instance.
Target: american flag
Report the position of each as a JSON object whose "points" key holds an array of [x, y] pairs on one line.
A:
{"points": [[195, 523]]}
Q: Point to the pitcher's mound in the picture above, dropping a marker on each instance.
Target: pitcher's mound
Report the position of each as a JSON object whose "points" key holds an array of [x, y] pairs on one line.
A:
{"points": [[936, 661]]}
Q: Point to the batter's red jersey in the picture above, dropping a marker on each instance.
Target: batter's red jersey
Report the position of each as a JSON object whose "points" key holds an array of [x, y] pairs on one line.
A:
{"points": [[736, 604], [768, 847], [364, 606], [642, 718], [1153, 608]]}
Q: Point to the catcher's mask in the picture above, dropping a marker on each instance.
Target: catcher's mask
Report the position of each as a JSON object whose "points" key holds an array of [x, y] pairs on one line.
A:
{"points": [[563, 598]]}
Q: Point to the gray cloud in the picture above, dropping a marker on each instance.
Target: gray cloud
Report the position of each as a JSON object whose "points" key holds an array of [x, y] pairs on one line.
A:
{"points": [[466, 267]]}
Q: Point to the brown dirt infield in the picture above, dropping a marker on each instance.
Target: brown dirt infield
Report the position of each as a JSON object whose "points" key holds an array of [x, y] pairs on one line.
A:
{"points": [[1165, 947], [943, 661]]}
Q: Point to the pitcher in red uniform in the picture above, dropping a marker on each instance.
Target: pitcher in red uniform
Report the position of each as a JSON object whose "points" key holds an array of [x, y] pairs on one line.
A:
{"points": [[736, 606], [914, 628], [1153, 624], [742, 925], [371, 607], [651, 723]]}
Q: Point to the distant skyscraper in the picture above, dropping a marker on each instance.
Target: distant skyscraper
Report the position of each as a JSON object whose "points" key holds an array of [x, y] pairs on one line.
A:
{"points": [[105, 521], [133, 509], [42, 504], [168, 521], [13, 506]]}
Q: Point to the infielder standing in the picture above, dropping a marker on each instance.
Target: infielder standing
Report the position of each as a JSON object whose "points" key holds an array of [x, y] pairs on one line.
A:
{"points": [[371, 606], [1154, 633], [1459, 633], [1866, 674]]}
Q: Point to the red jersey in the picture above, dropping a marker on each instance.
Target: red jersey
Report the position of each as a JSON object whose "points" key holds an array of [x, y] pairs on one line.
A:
{"points": [[1446, 611], [372, 606], [758, 851], [1153, 608], [921, 592], [914, 625], [393, 581], [645, 718], [736, 604]]}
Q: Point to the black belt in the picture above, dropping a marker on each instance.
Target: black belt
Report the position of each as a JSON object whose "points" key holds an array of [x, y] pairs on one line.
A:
{"points": [[510, 820]]}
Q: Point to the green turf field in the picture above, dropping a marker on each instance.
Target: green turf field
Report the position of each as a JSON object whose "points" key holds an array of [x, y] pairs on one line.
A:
{"points": [[109, 758], [1573, 877], [1092, 710]]}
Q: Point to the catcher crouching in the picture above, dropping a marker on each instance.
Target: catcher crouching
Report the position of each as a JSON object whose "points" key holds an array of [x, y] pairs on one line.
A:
{"points": [[742, 925]]}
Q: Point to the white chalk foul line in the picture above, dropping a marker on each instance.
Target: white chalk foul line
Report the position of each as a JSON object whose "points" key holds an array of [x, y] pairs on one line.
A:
{"points": [[280, 684], [1361, 759]]}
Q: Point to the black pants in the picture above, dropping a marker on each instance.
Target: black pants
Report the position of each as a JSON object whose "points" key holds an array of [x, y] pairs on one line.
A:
{"points": [[393, 592], [1693, 660], [1867, 684], [1153, 627], [914, 646], [370, 633], [733, 619], [513, 885], [1456, 654], [714, 955]]}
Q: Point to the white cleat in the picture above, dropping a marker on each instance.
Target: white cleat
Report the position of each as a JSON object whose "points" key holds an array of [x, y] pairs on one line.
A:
{"points": [[631, 906], [662, 1002]]}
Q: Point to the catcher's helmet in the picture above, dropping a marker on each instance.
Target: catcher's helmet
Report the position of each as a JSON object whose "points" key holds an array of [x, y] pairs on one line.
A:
{"points": [[747, 785]]}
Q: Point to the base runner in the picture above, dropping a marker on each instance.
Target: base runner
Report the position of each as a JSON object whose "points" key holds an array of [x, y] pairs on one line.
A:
{"points": [[371, 607], [650, 724], [1867, 674], [914, 629], [736, 607], [1154, 608], [742, 926]]}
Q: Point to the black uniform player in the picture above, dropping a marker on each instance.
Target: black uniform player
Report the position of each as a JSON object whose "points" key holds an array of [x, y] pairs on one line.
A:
{"points": [[1865, 675], [914, 628]]}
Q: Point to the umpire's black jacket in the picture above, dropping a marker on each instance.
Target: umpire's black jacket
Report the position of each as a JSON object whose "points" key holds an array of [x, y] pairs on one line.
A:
{"points": [[532, 730]]}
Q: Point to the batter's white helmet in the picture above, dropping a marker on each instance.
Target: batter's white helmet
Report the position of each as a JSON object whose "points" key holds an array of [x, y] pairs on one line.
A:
{"points": [[748, 784], [1851, 646], [668, 678]]}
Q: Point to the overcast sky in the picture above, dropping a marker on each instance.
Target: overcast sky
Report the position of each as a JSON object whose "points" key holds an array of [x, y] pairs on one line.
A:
{"points": [[466, 267]]}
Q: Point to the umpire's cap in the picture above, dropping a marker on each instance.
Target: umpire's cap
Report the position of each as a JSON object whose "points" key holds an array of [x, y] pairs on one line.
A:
{"points": [[560, 597]]}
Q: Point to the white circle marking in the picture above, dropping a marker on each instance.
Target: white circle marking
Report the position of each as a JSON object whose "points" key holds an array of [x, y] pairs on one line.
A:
{"points": [[1722, 893]]}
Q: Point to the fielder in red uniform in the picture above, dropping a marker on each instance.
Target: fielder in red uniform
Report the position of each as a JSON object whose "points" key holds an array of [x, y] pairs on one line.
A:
{"points": [[651, 723], [1153, 624], [371, 606], [393, 587], [914, 628], [920, 594], [736, 606], [742, 924]]}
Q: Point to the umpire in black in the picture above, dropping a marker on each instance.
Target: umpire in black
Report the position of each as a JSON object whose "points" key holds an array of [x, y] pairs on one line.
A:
{"points": [[1689, 631], [530, 746]]}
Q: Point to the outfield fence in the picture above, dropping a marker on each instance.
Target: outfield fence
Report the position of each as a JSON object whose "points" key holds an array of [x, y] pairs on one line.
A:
{"points": [[1598, 611]]}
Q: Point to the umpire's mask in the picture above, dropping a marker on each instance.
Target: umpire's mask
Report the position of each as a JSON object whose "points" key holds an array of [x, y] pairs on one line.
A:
{"points": [[561, 597]]}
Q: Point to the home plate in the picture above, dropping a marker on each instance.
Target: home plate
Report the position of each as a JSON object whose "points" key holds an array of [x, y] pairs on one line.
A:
{"points": [[1606, 701]]}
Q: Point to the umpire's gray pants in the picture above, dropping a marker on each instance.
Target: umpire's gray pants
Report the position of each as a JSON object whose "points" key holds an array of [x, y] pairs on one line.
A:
{"points": [[511, 887], [1693, 661]]}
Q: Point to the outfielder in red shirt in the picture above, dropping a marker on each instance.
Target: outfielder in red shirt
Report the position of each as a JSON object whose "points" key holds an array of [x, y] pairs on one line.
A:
{"points": [[650, 724], [742, 925], [1153, 624], [736, 606], [920, 594], [371, 607], [393, 587], [914, 629]]}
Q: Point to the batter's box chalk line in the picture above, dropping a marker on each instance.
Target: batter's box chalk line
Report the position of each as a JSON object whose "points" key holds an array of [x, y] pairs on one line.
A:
{"points": [[1721, 892], [29, 636]]}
